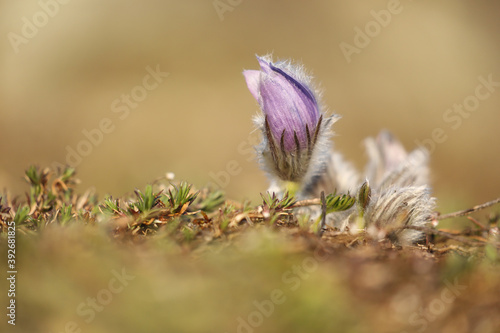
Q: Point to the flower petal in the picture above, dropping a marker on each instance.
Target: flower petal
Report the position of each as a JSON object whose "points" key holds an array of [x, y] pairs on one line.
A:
{"points": [[264, 65], [392, 150], [283, 110], [253, 82], [289, 105], [305, 96]]}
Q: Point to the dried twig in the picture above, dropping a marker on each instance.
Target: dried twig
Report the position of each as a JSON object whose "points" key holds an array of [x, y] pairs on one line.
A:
{"points": [[305, 203], [449, 248], [468, 211], [476, 222], [323, 214], [461, 239]]}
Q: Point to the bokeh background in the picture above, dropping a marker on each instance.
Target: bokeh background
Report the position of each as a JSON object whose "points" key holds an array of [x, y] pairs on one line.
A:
{"points": [[63, 79]]}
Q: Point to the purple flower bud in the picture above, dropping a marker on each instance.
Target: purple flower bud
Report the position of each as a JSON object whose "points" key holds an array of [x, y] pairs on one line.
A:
{"points": [[290, 107], [292, 122]]}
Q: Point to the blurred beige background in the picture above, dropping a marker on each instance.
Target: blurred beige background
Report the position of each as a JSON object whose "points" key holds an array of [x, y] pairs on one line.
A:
{"points": [[64, 78]]}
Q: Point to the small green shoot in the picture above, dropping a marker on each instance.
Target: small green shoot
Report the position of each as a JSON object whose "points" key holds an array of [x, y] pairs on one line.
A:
{"points": [[271, 202], [22, 214], [180, 198], [111, 207], [65, 214], [68, 174], [338, 203], [364, 197], [37, 180], [211, 201], [145, 201]]}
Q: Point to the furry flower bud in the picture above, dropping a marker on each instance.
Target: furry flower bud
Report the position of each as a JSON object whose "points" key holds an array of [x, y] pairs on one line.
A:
{"points": [[364, 197], [390, 164], [396, 207], [292, 123]]}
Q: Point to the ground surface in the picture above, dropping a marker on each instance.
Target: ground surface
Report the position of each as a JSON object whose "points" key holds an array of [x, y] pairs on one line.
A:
{"points": [[169, 260]]}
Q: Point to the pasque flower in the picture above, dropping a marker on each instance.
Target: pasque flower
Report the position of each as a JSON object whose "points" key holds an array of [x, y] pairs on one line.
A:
{"points": [[296, 153], [400, 197], [389, 163], [295, 131]]}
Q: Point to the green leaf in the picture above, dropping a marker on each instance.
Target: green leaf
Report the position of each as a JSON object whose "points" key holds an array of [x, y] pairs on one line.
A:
{"points": [[67, 174], [338, 203], [65, 214], [212, 201], [110, 206], [180, 196], [273, 203], [146, 201], [21, 215]]}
